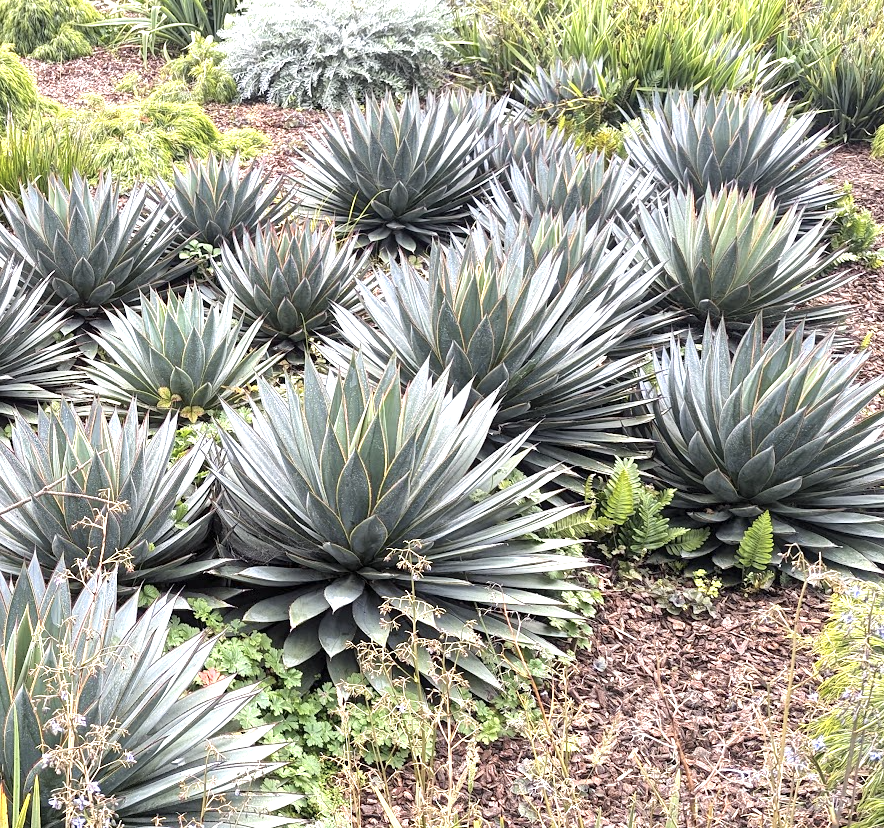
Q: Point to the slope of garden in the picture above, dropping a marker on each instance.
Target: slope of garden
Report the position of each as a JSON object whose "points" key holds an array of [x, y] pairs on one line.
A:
{"points": [[441, 416]]}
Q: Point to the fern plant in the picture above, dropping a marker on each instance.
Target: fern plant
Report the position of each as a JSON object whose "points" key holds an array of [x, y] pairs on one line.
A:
{"points": [[757, 546], [626, 517], [323, 53]]}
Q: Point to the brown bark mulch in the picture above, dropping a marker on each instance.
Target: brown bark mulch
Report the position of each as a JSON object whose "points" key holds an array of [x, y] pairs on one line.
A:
{"points": [[656, 695]]}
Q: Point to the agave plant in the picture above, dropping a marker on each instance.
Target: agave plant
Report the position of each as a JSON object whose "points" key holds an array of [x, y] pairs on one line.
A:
{"points": [[290, 279], [398, 178], [773, 427], [494, 317], [177, 354], [733, 257], [101, 490], [702, 143], [98, 678], [577, 90], [217, 203], [34, 364], [323, 531], [570, 182], [93, 251], [521, 143]]}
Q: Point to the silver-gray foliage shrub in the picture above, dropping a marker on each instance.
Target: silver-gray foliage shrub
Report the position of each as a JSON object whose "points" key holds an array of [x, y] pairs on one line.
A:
{"points": [[322, 53]]}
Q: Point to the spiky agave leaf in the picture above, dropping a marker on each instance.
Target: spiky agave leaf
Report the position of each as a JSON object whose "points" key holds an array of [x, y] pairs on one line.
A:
{"points": [[34, 364], [398, 178], [710, 141], [217, 203], [732, 257], [86, 466], [569, 182], [576, 88], [290, 279], [521, 143], [93, 251], [180, 354], [494, 316], [185, 749], [773, 426], [324, 489]]}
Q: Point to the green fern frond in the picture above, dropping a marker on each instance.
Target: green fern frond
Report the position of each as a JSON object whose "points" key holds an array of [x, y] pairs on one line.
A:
{"points": [[648, 529], [756, 547], [684, 541], [618, 498]]}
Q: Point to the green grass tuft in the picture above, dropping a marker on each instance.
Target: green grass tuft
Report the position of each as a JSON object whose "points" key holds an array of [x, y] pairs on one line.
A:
{"points": [[31, 24], [18, 89]]}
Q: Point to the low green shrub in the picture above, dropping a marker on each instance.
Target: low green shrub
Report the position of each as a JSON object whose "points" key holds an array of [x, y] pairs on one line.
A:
{"points": [[323, 53], [18, 89], [856, 232], [47, 29], [145, 139], [198, 69]]}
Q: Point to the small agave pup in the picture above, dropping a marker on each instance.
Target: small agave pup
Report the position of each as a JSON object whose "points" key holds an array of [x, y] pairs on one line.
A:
{"points": [[107, 722], [112, 493], [325, 491], [178, 354], [289, 280], [773, 427]]}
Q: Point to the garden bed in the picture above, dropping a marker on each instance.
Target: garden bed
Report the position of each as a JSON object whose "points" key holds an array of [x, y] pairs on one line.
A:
{"points": [[655, 694]]}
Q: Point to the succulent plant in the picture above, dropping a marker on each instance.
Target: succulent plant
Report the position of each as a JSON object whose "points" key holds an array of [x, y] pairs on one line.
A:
{"points": [[101, 490], [773, 427], [93, 251], [98, 677], [518, 143], [327, 489], [217, 203], [570, 182], [289, 280], [179, 354], [707, 142], [577, 90], [398, 178], [733, 257], [494, 318], [34, 364]]}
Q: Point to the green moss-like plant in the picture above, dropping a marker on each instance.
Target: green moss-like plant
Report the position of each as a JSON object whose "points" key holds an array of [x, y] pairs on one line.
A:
{"points": [[18, 89], [200, 71], [68, 44], [30, 24], [147, 138]]}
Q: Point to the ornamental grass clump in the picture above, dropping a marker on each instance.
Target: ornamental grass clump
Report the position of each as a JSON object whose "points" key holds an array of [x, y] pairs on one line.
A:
{"points": [[99, 491], [771, 436], [104, 718], [180, 354], [397, 177], [338, 496]]}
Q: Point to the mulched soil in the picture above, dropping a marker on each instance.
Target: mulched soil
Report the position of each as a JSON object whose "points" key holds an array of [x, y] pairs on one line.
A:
{"points": [[655, 693], [658, 694], [853, 164]]}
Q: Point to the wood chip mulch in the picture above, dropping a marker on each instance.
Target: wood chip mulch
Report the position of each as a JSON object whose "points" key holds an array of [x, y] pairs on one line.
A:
{"points": [[656, 695]]}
